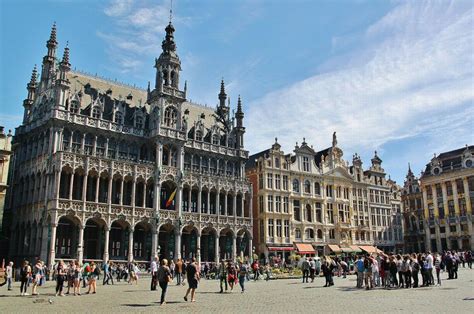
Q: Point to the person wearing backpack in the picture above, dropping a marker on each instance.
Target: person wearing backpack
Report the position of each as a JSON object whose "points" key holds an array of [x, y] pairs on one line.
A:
{"points": [[164, 277]]}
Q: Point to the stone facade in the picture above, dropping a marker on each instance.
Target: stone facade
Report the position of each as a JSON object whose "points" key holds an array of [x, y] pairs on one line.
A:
{"points": [[317, 198], [5, 152], [106, 171], [444, 219]]}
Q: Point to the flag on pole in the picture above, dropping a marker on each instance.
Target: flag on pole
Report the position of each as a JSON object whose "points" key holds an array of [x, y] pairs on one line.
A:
{"points": [[170, 199]]}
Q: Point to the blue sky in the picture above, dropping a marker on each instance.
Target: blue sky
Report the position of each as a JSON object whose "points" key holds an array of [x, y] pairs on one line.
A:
{"points": [[391, 76]]}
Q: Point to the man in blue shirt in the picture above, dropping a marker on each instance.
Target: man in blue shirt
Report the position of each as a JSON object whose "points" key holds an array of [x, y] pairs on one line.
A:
{"points": [[360, 271]]}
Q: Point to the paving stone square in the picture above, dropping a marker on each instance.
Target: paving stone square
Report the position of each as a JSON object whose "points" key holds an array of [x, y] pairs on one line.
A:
{"points": [[275, 296]]}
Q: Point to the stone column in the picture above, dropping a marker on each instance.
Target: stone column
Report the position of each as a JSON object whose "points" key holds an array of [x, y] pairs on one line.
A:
{"points": [[218, 196], [52, 252], [177, 245], [234, 248], [199, 200], [97, 188], [130, 245], [425, 203], [208, 201], [179, 198], [106, 153], [234, 204], [154, 242], [71, 184], [445, 198], [80, 244], [106, 244], [455, 197], [251, 250], [84, 187], [134, 190], [121, 190], [225, 203], [198, 248], [216, 250], [466, 196], [435, 200], [189, 198]]}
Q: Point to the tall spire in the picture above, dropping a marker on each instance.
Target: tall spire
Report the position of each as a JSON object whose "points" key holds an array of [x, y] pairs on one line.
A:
{"points": [[222, 94], [65, 60], [52, 42], [34, 76]]}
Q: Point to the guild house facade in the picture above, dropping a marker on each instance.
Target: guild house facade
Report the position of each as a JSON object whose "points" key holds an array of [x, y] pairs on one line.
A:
{"points": [[106, 171], [313, 202]]}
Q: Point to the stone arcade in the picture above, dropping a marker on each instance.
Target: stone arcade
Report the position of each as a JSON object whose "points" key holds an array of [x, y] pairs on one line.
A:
{"points": [[107, 171]]}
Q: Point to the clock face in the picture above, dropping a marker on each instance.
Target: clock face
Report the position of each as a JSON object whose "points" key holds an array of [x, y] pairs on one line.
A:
{"points": [[469, 163]]}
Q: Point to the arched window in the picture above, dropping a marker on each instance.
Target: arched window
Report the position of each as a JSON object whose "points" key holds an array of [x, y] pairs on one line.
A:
{"points": [[307, 187], [320, 234], [96, 112], [118, 117], [74, 106], [297, 233], [171, 116], [198, 135], [296, 185], [309, 234], [277, 162], [309, 216], [317, 188]]}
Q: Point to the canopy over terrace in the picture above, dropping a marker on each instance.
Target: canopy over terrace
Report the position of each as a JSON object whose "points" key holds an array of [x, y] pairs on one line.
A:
{"points": [[334, 248], [305, 249], [370, 249]]}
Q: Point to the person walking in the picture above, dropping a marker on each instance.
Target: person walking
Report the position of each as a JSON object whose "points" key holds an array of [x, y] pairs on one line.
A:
{"points": [[415, 268], [193, 277], [9, 272], [37, 276], [25, 274], [305, 270], [243, 273], [437, 265], [360, 271], [407, 269], [178, 271], [312, 269], [430, 262], [368, 272], [60, 277], [164, 277], [327, 272], [93, 275], [223, 275], [154, 273], [231, 275], [256, 270], [77, 278]]}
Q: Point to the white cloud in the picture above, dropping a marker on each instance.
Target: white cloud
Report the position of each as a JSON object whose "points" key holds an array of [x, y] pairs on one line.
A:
{"points": [[139, 31], [118, 7], [411, 74]]}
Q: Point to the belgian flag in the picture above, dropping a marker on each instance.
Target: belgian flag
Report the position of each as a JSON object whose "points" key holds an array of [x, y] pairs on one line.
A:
{"points": [[170, 199]]}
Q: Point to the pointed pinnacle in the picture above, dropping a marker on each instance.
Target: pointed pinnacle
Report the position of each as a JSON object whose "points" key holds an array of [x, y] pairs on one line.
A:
{"points": [[34, 75], [52, 36], [66, 54]]}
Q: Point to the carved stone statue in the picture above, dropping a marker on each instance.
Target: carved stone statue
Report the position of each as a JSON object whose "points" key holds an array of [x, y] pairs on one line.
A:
{"points": [[334, 140]]}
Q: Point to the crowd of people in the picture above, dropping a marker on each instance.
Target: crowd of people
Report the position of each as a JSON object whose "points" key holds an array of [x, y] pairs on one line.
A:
{"points": [[372, 270], [388, 270]]}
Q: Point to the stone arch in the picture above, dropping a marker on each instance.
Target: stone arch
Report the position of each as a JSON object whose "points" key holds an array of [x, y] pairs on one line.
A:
{"points": [[208, 244], [67, 236], [142, 241], [189, 245], [94, 234], [226, 236], [118, 239], [243, 243], [166, 238]]}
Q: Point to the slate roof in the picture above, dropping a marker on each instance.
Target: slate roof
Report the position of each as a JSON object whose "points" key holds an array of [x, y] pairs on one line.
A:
{"points": [[451, 160]]}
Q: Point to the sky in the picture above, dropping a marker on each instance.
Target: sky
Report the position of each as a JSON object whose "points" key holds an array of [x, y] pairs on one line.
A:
{"points": [[391, 76]]}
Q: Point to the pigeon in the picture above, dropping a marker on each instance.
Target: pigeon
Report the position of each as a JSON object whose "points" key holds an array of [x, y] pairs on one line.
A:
{"points": [[50, 301]]}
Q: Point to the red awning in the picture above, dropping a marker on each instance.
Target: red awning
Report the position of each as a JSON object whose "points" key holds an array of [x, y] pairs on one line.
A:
{"points": [[368, 248], [305, 248], [335, 248], [280, 248]]}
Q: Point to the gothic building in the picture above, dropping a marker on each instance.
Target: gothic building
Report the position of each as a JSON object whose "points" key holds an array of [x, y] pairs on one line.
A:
{"points": [[313, 202], [106, 171]]}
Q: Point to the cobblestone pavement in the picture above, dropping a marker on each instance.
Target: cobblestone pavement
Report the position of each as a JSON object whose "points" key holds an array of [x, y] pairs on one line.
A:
{"points": [[285, 295]]}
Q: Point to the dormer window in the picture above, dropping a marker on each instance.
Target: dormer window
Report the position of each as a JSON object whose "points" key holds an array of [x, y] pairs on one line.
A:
{"points": [[198, 135], [306, 164], [118, 117], [139, 122], [74, 106], [277, 162], [215, 139], [96, 112], [171, 116]]}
